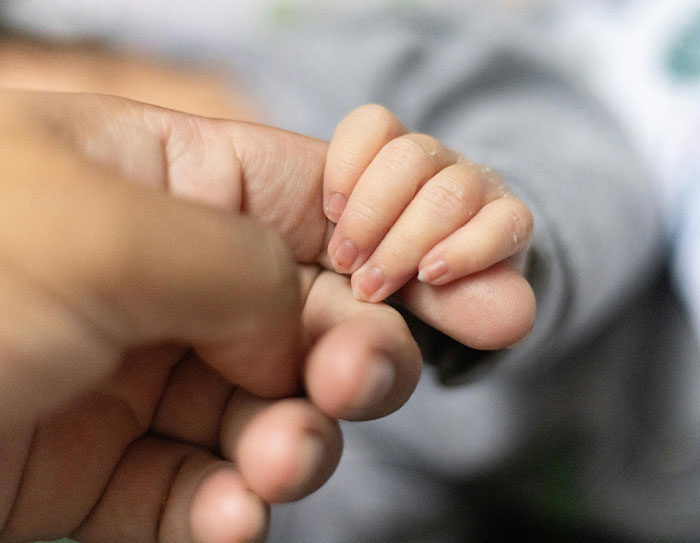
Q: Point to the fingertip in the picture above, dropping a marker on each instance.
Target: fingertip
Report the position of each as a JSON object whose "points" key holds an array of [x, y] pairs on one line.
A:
{"points": [[364, 369], [224, 510], [356, 141], [525, 313], [378, 381], [288, 450], [512, 315], [510, 319], [515, 308], [487, 310]]}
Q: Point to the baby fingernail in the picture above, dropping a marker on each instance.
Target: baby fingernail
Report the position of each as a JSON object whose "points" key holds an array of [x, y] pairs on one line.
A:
{"points": [[369, 283], [380, 379], [345, 255], [336, 206], [433, 272]]}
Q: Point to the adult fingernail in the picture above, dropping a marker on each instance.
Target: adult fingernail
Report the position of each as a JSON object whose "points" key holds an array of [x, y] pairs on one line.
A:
{"points": [[253, 520], [312, 455], [336, 206], [369, 283], [345, 255], [433, 272], [379, 380]]}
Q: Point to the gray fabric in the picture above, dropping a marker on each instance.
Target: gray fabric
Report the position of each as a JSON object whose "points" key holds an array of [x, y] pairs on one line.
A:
{"points": [[491, 88], [608, 376]]}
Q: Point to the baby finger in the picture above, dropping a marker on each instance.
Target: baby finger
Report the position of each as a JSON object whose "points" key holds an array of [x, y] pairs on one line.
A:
{"points": [[502, 228]]}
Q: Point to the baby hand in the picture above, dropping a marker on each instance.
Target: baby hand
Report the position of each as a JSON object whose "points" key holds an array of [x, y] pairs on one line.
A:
{"points": [[406, 204]]}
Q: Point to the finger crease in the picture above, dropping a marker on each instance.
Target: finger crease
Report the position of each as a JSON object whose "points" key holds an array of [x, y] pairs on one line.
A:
{"points": [[20, 483]]}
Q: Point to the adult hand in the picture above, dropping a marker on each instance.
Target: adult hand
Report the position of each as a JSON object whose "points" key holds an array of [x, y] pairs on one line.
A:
{"points": [[136, 325]]}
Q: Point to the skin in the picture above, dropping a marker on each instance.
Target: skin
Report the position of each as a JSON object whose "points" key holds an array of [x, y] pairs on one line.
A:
{"points": [[485, 309], [149, 319], [406, 204], [141, 368]]}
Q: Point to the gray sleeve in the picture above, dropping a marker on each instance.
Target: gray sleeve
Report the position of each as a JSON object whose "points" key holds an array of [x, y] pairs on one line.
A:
{"points": [[497, 90]]}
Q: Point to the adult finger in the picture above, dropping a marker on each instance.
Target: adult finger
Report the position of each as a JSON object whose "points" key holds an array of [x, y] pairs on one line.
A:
{"points": [[270, 174], [109, 265], [282, 187], [365, 363], [170, 492], [221, 283], [147, 490], [285, 449]]}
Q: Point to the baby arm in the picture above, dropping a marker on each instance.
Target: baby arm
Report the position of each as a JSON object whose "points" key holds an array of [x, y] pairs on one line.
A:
{"points": [[406, 204]]}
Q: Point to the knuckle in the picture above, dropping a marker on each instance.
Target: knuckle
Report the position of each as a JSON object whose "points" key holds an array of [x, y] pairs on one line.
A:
{"points": [[520, 221], [410, 151], [364, 216], [454, 190], [447, 195], [494, 182], [347, 163], [381, 119], [404, 149], [426, 145], [351, 148]]}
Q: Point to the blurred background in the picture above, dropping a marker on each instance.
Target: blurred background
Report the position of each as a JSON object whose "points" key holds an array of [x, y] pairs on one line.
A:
{"points": [[641, 56]]}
